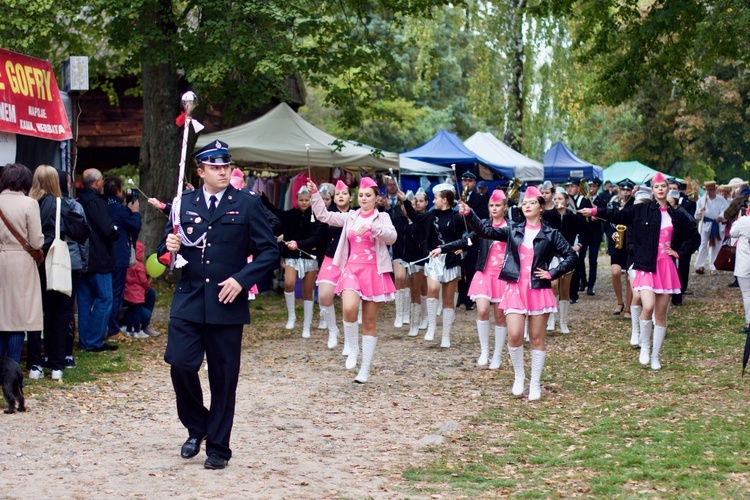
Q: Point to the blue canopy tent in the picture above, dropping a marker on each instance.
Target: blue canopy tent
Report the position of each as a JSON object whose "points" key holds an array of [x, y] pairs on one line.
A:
{"points": [[446, 149], [561, 164]]}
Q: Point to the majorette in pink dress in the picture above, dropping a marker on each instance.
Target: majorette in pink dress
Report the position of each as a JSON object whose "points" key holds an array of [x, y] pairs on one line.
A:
{"points": [[665, 280], [328, 273], [361, 270], [520, 298], [486, 284]]}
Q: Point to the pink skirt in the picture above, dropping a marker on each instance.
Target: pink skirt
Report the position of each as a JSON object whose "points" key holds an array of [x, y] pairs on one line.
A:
{"points": [[365, 280], [664, 281], [520, 298], [328, 272], [486, 286]]}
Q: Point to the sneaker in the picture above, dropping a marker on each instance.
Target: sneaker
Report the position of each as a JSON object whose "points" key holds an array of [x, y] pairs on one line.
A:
{"points": [[124, 329], [151, 332], [56, 375], [36, 372], [140, 334], [70, 362]]}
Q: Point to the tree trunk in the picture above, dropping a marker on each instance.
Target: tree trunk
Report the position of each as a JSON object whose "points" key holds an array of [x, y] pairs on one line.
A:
{"points": [[514, 130], [161, 137]]}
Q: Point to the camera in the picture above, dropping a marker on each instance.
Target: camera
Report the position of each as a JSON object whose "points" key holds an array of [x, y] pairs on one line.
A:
{"points": [[673, 193], [131, 196]]}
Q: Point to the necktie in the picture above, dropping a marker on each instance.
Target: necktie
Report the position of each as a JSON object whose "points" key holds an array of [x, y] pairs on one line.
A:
{"points": [[211, 204]]}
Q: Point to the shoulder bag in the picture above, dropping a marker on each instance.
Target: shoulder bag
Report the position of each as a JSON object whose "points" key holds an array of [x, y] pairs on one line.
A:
{"points": [[36, 253], [57, 264]]}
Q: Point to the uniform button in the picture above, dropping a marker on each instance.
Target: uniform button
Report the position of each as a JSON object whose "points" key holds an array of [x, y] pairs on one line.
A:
{"points": [[208, 244], [208, 262], [207, 280], [209, 228]]}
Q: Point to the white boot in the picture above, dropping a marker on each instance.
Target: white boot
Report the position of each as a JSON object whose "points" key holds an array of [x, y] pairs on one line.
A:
{"points": [[398, 322], [351, 333], [645, 357], [416, 309], [432, 305], [483, 330], [659, 333], [551, 322], [537, 365], [497, 357], [346, 350], [405, 306], [448, 316], [635, 325], [423, 322], [291, 316], [368, 351], [564, 307], [307, 320], [322, 323], [329, 315], [516, 357]]}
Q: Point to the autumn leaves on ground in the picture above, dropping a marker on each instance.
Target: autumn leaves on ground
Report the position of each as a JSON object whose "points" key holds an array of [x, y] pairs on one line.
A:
{"points": [[428, 424]]}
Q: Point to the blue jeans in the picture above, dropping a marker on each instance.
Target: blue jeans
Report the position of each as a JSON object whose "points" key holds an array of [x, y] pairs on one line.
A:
{"points": [[118, 290], [11, 345], [138, 316], [94, 308]]}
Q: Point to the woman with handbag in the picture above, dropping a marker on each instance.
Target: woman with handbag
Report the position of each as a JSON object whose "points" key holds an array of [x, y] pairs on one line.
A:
{"points": [[20, 236], [662, 234], [58, 221]]}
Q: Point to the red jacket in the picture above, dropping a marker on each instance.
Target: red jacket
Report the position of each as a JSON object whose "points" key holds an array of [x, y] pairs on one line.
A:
{"points": [[136, 281]]}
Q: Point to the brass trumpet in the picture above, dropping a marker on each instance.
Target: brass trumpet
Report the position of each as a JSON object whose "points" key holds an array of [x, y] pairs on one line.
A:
{"points": [[620, 236], [514, 189]]}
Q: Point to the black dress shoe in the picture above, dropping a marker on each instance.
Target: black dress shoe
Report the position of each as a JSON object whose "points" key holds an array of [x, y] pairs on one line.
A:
{"points": [[581, 287], [574, 300], [470, 306], [215, 462], [191, 447], [590, 291], [104, 347]]}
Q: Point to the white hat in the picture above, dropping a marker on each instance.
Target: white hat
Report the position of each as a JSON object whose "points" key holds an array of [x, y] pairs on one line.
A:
{"points": [[443, 187], [643, 193]]}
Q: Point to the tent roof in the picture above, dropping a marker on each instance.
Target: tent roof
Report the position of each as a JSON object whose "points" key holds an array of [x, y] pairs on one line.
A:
{"points": [[446, 148], [279, 137], [493, 149], [560, 163], [633, 170], [410, 166]]}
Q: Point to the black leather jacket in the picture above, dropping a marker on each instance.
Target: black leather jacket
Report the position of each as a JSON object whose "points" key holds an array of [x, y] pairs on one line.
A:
{"points": [[463, 244], [547, 244], [645, 219]]}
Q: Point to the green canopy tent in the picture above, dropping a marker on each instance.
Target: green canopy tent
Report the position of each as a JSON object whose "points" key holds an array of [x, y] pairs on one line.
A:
{"points": [[633, 170]]}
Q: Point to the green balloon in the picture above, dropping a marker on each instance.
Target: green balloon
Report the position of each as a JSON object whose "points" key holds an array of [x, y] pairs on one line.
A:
{"points": [[154, 268]]}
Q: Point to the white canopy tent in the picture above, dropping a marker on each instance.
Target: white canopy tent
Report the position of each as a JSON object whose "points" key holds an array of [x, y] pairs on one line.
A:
{"points": [[279, 138], [493, 149]]}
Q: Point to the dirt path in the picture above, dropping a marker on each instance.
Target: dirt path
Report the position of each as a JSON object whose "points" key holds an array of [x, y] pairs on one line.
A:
{"points": [[302, 428]]}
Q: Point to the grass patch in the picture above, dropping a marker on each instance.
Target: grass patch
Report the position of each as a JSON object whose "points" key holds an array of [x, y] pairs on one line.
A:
{"points": [[607, 426]]}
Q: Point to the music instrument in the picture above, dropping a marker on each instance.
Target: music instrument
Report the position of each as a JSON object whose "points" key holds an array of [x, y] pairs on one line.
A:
{"points": [[514, 189], [620, 236]]}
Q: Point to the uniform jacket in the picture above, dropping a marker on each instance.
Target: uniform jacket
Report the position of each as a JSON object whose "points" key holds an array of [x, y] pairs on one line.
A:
{"points": [[21, 303], [236, 230], [645, 219], [479, 203], [103, 232], [382, 230], [455, 230], [547, 244]]}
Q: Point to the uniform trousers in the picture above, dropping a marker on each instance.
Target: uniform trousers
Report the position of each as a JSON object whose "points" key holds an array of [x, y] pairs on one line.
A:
{"points": [[186, 344]]}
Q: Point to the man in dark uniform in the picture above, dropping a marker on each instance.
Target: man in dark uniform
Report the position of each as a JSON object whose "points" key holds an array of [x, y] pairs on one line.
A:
{"points": [[597, 232], [479, 204], [579, 201], [220, 228], [683, 263]]}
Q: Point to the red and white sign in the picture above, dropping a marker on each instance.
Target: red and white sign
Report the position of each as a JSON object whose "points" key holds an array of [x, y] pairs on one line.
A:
{"points": [[30, 102]]}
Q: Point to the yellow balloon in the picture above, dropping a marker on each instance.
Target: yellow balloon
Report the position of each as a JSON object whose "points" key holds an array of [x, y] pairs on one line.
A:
{"points": [[154, 268]]}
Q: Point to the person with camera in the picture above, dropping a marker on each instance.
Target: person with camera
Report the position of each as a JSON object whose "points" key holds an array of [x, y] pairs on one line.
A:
{"points": [[126, 217]]}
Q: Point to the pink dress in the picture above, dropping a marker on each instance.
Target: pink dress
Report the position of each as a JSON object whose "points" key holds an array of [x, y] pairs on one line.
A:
{"points": [[486, 284], [665, 280], [361, 271], [520, 298], [328, 273]]}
